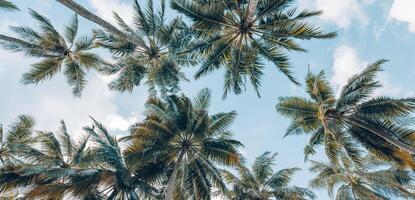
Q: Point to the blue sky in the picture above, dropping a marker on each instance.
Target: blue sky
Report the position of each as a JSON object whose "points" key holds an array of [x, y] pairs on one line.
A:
{"points": [[368, 30]]}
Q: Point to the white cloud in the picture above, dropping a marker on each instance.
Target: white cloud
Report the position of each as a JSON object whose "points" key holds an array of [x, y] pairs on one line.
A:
{"points": [[105, 9], [117, 122], [404, 11], [341, 12], [52, 100], [347, 62]]}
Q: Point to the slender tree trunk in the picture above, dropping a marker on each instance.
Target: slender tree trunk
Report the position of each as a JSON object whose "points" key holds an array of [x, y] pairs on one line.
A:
{"points": [[397, 143], [172, 180], [90, 16], [251, 10], [94, 18]]}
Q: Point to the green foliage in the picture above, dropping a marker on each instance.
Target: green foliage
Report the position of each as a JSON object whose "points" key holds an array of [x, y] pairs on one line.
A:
{"points": [[51, 165], [369, 183], [354, 119], [175, 152], [7, 6], [56, 51], [153, 56], [260, 182], [229, 38], [178, 134], [192, 142]]}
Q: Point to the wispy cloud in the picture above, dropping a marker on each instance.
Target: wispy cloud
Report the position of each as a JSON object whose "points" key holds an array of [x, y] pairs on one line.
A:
{"points": [[105, 9], [404, 11], [341, 13], [51, 101], [347, 62]]}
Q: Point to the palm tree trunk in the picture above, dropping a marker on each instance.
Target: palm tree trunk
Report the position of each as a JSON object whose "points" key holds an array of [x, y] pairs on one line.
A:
{"points": [[397, 143], [92, 17], [251, 10], [172, 180]]}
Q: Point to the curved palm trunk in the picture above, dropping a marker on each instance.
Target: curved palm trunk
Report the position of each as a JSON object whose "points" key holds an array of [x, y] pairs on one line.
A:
{"points": [[251, 10], [172, 180], [397, 143], [92, 17]]}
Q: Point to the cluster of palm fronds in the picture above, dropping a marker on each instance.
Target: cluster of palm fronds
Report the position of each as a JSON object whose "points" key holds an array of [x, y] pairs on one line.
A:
{"points": [[353, 126], [174, 153], [151, 50], [178, 150]]}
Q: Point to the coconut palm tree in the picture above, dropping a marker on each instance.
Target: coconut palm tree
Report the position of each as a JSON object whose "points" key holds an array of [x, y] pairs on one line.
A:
{"points": [[20, 132], [190, 140], [380, 123], [352, 183], [7, 6], [56, 158], [155, 58], [120, 179], [241, 35], [56, 51], [261, 182], [60, 168], [58, 150]]}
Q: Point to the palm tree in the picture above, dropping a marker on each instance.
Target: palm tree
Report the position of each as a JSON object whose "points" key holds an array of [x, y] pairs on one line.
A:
{"points": [[61, 167], [262, 183], [7, 6], [56, 51], [352, 183], [181, 132], [120, 179], [56, 158], [155, 58], [20, 132], [240, 35], [378, 123]]}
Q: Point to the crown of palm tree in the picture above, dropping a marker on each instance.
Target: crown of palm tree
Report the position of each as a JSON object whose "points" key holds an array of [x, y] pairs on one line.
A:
{"points": [[153, 53], [240, 35], [120, 179], [353, 183], [262, 183], [46, 168], [181, 132], [55, 50], [19, 133], [60, 167], [381, 124], [7, 6]]}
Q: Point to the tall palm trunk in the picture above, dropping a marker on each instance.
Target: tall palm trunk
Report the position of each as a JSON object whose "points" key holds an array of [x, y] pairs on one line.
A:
{"points": [[89, 15], [397, 143], [92, 17], [251, 10], [172, 180]]}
